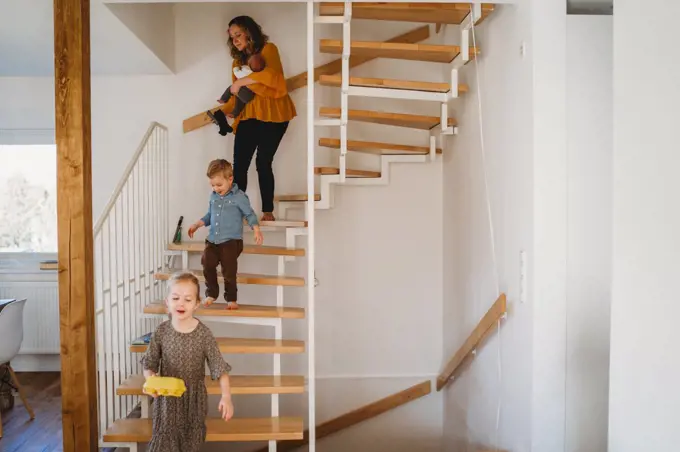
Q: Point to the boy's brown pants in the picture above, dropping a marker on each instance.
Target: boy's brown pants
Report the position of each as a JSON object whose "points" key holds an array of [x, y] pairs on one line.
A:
{"points": [[226, 254]]}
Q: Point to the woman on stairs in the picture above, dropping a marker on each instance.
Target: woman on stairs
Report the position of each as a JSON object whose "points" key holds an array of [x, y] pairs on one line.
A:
{"points": [[264, 120]]}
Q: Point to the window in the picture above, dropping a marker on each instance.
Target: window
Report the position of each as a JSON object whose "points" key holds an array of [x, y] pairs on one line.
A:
{"points": [[28, 198]]}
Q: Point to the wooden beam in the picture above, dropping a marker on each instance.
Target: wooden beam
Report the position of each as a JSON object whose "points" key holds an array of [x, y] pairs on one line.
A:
{"points": [[359, 415], [74, 225], [300, 80], [483, 329]]}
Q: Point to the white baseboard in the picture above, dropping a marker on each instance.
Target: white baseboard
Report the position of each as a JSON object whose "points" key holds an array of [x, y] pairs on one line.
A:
{"points": [[36, 363]]}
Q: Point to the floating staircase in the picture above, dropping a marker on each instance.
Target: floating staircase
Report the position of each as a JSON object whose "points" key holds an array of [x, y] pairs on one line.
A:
{"points": [[439, 126], [129, 433], [133, 303]]}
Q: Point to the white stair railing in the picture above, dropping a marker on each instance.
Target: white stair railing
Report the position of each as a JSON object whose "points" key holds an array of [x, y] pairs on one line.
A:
{"points": [[345, 89], [311, 227], [129, 239]]}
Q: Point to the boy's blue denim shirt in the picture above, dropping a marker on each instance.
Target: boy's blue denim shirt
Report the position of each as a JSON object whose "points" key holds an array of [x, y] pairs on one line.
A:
{"points": [[225, 215]]}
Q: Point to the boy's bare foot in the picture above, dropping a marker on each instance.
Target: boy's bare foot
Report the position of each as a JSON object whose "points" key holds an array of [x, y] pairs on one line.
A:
{"points": [[232, 305], [267, 216], [208, 301]]}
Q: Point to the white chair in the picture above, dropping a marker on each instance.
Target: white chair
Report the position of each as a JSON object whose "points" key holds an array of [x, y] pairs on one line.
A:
{"points": [[11, 336]]}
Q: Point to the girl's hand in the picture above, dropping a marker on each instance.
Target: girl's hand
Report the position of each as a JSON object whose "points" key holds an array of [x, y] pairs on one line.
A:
{"points": [[147, 374], [226, 408], [153, 394]]}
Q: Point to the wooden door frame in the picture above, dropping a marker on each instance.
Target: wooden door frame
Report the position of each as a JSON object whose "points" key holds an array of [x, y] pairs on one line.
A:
{"points": [[74, 212]]}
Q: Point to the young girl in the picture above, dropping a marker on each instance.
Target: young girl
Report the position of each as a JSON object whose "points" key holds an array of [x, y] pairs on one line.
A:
{"points": [[180, 348]]}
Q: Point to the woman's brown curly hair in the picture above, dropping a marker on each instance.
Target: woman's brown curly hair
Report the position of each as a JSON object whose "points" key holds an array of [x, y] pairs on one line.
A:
{"points": [[255, 38]]}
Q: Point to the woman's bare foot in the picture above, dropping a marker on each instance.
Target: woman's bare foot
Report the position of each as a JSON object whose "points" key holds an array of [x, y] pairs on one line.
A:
{"points": [[267, 216], [208, 301], [232, 305]]}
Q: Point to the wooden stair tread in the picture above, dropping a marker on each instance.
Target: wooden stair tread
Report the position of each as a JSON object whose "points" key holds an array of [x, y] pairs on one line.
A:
{"points": [[246, 278], [442, 13], [247, 249], [244, 310], [420, 122], [240, 384], [284, 224], [374, 147], [295, 198], [329, 170], [244, 345], [432, 87], [237, 429], [396, 50]]}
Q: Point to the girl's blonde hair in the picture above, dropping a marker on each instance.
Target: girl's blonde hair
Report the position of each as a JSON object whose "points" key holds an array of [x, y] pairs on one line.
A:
{"points": [[180, 277]]}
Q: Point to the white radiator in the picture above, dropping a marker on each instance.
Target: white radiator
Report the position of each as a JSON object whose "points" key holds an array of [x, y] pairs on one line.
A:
{"points": [[41, 314]]}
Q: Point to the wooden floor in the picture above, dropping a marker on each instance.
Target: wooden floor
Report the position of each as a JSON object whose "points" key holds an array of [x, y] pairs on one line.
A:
{"points": [[44, 433]]}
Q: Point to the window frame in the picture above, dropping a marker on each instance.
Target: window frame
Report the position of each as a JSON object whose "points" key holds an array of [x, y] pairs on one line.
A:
{"points": [[25, 262]]}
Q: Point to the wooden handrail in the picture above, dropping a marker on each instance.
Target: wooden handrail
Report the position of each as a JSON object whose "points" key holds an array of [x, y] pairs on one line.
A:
{"points": [[359, 415], [298, 81], [482, 331]]}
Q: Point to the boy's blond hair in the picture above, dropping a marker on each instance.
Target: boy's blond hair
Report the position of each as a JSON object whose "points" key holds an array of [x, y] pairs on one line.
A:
{"points": [[220, 167]]}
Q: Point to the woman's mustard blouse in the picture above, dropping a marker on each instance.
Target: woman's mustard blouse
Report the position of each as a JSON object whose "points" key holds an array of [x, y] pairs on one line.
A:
{"points": [[272, 102]]}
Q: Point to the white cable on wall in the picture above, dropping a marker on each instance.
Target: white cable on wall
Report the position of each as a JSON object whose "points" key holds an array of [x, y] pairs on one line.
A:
{"points": [[491, 228]]}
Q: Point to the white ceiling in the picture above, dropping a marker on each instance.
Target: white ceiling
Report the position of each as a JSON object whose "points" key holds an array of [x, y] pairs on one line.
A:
{"points": [[27, 42], [126, 38]]}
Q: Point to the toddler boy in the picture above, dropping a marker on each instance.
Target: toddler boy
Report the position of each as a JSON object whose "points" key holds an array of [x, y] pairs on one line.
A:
{"points": [[227, 209]]}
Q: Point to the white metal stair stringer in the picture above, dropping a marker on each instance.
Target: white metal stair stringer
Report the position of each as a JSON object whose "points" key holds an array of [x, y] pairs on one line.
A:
{"points": [[327, 181], [461, 60]]}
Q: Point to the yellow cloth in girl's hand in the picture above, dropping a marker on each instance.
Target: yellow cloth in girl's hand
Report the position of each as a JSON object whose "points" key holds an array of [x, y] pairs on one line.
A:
{"points": [[164, 386]]}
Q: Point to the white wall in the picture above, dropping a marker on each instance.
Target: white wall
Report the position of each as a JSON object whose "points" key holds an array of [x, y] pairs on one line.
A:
{"points": [[589, 160], [645, 366], [122, 109], [472, 403], [548, 267]]}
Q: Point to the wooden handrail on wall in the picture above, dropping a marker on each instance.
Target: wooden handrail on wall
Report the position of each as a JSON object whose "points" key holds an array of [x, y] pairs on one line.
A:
{"points": [[482, 331], [359, 415], [298, 81]]}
